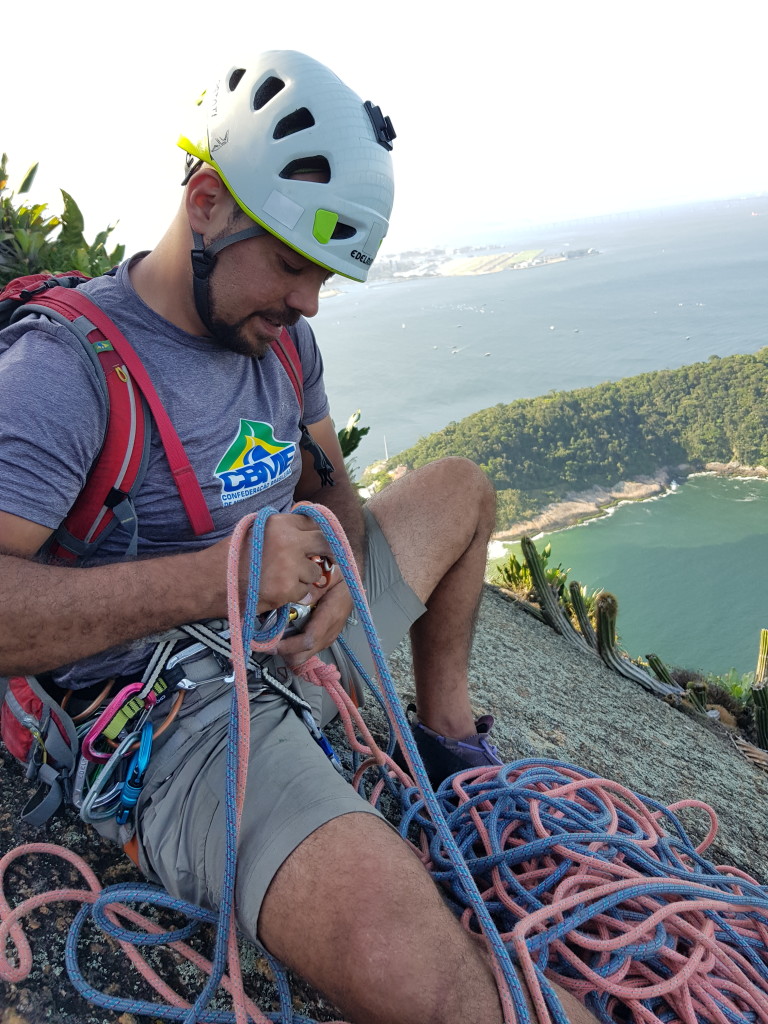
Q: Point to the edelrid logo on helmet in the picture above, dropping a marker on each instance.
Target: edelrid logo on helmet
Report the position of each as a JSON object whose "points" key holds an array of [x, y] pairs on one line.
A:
{"points": [[365, 260]]}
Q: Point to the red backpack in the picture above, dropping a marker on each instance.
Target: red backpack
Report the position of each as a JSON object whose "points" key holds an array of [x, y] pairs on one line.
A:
{"points": [[33, 727], [107, 499]]}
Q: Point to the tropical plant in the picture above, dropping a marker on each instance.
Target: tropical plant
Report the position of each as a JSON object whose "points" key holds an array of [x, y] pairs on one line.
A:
{"points": [[350, 437], [32, 241], [738, 685], [517, 576]]}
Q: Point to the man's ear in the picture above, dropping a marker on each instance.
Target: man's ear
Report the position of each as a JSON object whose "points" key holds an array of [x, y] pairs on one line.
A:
{"points": [[207, 201]]}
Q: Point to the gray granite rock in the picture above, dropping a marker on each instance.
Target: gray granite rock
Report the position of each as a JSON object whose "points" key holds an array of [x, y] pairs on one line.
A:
{"points": [[549, 699]]}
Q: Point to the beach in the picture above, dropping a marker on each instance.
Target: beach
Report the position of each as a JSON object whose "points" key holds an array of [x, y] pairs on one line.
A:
{"points": [[579, 506]]}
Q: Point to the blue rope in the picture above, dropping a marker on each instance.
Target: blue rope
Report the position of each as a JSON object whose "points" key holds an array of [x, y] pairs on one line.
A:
{"points": [[396, 712], [676, 871]]}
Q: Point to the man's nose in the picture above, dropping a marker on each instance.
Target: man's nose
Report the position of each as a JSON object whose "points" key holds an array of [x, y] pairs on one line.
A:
{"points": [[304, 296]]}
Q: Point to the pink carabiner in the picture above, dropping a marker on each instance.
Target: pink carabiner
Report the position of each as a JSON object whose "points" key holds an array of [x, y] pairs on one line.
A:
{"points": [[103, 721]]}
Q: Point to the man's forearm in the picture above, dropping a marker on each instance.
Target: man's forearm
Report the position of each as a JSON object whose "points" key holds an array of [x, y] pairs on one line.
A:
{"points": [[51, 615]]}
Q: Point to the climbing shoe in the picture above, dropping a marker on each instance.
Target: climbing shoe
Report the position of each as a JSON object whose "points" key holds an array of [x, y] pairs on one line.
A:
{"points": [[443, 756]]}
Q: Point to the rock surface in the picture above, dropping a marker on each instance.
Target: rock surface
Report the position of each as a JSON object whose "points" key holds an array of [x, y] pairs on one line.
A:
{"points": [[550, 700]]}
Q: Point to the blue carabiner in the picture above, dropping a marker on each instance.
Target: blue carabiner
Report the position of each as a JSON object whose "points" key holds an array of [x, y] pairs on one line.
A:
{"points": [[135, 779]]}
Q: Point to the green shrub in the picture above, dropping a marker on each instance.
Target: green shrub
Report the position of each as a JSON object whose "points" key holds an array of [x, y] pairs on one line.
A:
{"points": [[34, 242]]}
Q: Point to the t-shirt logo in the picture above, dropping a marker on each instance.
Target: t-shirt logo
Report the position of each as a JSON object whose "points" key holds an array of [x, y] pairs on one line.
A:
{"points": [[254, 461]]}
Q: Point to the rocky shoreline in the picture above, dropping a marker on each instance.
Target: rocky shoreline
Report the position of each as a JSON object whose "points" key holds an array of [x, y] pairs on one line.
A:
{"points": [[578, 507]]}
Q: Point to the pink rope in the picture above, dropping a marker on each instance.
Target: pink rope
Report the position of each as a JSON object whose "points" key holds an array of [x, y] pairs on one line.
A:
{"points": [[10, 930]]}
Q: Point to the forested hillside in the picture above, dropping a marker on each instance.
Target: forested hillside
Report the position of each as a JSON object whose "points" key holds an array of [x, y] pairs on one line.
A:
{"points": [[537, 450]]}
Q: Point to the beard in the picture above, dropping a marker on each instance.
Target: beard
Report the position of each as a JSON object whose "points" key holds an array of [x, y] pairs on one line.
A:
{"points": [[235, 336]]}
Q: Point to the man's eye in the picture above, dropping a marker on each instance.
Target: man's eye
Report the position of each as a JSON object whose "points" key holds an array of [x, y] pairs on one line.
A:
{"points": [[289, 269]]}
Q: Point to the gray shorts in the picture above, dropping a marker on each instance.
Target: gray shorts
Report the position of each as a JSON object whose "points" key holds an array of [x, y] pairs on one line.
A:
{"points": [[292, 787]]}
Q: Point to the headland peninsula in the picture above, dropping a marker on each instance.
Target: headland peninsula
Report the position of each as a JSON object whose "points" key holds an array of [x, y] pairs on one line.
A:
{"points": [[466, 261], [568, 455]]}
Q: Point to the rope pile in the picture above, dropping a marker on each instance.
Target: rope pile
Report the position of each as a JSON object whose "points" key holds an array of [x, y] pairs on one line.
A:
{"points": [[561, 871], [604, 891]]}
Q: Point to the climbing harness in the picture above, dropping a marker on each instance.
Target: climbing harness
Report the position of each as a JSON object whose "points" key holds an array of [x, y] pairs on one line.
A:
{"points": [[569, 876]]}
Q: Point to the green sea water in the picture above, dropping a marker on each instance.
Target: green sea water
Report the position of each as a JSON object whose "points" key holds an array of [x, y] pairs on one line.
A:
{"points": [[688, 570]]}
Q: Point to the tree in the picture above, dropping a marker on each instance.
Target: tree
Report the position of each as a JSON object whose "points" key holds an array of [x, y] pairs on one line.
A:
{"points": [[34, 242]]}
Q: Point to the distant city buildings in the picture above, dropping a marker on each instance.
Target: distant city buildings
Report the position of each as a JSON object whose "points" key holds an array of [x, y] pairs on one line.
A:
{"points": [[468, 259]]}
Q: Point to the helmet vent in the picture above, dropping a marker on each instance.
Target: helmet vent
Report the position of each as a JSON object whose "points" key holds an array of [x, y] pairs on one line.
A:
{"points": [[298, 121], [308, 165], [234, 79], [344, 231], [267, 91]]}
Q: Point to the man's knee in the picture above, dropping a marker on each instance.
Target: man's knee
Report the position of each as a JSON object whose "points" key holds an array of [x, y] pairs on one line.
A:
{"points": [[441, 489]]}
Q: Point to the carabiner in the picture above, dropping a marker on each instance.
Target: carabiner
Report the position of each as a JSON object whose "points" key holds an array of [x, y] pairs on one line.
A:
{"points": [[135, 780], [102, 722], [327, 567]]}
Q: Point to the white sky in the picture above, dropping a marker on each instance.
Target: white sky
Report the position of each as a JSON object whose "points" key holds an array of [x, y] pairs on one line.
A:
{"points": [[507, 112]]}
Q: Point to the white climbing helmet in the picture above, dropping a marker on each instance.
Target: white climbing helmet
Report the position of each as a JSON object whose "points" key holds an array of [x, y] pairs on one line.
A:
{"points": [[286, 113]]}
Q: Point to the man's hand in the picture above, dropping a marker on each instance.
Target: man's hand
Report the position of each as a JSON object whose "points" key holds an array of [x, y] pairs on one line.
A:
{"points": [[289, 568], [328, 618]]}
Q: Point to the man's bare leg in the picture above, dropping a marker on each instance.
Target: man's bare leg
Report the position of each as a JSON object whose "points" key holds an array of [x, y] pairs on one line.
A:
{"points": [[438, 521], [356, 914]]}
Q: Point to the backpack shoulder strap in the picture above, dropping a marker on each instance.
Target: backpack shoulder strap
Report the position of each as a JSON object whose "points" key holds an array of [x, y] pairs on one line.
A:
{"points": [[105, 499], [285, 349]]}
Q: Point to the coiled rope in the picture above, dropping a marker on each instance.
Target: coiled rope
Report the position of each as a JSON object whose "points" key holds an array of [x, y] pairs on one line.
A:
{"points": [[562, 872]]}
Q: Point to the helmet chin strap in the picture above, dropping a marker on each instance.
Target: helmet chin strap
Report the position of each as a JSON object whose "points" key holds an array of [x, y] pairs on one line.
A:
{"points": [[203, 261]]}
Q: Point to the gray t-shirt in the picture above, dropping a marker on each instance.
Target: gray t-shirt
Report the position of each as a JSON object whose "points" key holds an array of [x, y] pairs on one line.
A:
{"points": [[237, 417]]}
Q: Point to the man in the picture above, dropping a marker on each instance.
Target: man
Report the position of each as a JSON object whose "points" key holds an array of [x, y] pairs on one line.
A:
{"points": [[289, 179]]}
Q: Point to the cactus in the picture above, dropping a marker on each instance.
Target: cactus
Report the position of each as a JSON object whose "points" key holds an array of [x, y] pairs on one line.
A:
{"points": [[550, 604], [607, 610], [697, 691], [659, 669], [760, 691], [582, 615]]}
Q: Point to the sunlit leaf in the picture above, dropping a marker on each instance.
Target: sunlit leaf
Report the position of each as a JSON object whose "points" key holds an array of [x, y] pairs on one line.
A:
{"points": [[81, 262], [29, 177], [72, 224], [22, 239]]}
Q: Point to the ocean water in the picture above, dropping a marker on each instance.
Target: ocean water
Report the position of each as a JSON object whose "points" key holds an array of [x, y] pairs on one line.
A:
{"points": [[666, 289], [687, 569]]}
